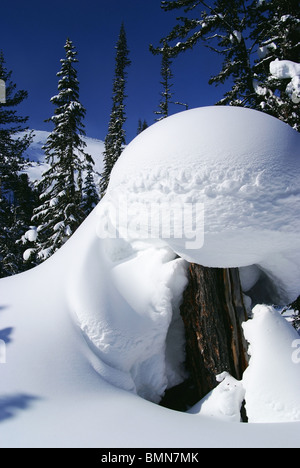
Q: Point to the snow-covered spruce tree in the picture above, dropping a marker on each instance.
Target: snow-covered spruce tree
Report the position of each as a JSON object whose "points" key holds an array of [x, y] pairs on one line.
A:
{"points": [[60, 211], [275, 28], [249, 34], [115, 139], [90, 197], [223, 26], [12, 144], [16, 196], [9, 264]]}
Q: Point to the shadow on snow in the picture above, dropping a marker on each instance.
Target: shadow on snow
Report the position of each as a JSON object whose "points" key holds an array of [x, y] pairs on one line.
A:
{"points": [[10, 405]]}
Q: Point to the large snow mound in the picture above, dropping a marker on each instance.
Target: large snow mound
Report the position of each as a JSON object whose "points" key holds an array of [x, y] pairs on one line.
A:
{"points": [[127, 301], [241, 166]]}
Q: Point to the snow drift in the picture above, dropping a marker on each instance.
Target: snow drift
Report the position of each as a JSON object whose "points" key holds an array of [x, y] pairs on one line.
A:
{"points": [[272, 380], [242, 166], [224, 402], [101, 316]]}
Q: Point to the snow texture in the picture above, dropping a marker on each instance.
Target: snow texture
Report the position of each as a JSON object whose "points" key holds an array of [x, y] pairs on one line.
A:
{"points": [[242, 166], [31, 235], [53, 387], [129, 319], [270, 385], [260, 90], [101, 316], [285, 69], [272, 380], [225, 402], [264, 50]]}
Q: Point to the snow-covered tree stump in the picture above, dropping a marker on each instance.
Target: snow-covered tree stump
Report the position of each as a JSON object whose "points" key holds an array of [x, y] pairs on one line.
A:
{"points": [[213, 311]]}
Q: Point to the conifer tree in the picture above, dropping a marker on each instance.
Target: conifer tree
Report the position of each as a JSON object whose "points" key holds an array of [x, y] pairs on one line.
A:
{"points": [[12, 144], [166, 75], [166, 94], [249, 35], [223, 26], [142, 126], [16, 202], [115, 139], [90, 197], [8, 263], [60, 211], [275, 27]]}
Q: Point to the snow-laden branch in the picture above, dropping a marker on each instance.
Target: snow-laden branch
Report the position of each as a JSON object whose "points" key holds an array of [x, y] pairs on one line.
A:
{"points": [[288, 70]]}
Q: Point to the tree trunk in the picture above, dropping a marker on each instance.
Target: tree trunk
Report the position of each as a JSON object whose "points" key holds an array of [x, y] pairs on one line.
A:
{"points": [[213, 311]]}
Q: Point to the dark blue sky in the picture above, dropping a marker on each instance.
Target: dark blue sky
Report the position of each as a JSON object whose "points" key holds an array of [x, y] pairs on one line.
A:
{"points": [[32, 37]]}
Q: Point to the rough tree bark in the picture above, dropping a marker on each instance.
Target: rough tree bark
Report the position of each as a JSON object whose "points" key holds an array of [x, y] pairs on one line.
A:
{"points": [[213, 311]]}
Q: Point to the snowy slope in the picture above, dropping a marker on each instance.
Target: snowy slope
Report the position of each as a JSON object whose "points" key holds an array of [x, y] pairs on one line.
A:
{"points": [[36, 156], [51, 394], [95, 328]]}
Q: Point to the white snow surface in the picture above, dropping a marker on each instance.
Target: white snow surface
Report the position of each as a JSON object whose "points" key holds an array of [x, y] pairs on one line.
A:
{"points": [[31, 234], [272, 381], [241, 165], [270, 385], [53, 387], [264, 50], [224, 402], [129, 317], [286, 69], [96, 327]]}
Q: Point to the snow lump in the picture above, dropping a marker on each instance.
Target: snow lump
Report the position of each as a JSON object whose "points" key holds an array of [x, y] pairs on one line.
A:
{"points": [[241, 166], [272, 380]]}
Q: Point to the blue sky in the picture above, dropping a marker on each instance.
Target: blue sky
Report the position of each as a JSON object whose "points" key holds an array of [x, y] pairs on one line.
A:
{"points": [[33, 35]]}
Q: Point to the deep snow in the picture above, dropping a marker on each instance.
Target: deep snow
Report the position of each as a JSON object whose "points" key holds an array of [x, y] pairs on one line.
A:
{"points": [[98, 314], [224, 402], [272, 380], [51, 393], [239, 165]]}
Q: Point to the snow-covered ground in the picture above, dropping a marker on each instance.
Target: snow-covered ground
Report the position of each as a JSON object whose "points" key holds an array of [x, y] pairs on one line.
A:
{"points": [[95, 330]]}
